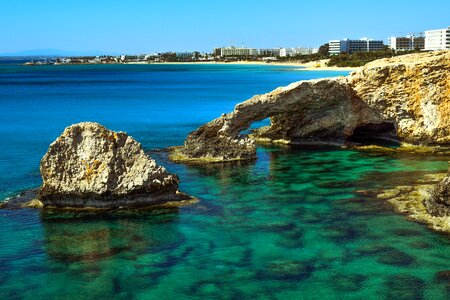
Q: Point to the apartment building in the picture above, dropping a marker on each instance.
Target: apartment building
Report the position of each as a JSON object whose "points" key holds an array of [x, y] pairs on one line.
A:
{"points": [[438, 39], [406, 43], [351, 46], [234, 51]]}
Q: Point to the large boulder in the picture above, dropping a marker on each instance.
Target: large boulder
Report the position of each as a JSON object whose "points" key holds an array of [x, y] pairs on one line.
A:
{"points": [[91, 166]]}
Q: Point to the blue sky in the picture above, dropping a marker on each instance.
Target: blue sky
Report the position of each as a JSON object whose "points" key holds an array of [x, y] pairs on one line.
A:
{"points": [[142, 26]]}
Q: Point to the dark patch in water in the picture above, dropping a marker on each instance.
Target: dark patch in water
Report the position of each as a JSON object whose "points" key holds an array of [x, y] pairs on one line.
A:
{"points": [[278, 227], [349, 282], [116, 285], [443, 277], [420, 245], [289, 270], [246, 260], [404, 286], [343, 233], [406, 232], [396, 257], [335, 184], [187, 251], [205, 288], [169, 262]]}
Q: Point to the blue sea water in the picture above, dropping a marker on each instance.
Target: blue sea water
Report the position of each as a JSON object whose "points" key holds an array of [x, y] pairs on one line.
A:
{"points": [[290, 225]]}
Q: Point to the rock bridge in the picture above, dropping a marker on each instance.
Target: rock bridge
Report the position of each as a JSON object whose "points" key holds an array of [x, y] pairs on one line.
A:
{"points": [[406, 98]]}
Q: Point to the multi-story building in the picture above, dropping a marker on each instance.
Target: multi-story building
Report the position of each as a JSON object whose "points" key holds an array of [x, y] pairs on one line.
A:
{"points": [[337, 47], [304, 50], [405, 43], [269, 52], [438, 39], [234, 51], [297, 51], [263, 52], [285, 52], [351, 46]]}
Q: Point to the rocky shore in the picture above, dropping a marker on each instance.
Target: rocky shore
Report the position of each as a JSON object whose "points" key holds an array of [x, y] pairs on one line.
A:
{"points": [[404, 99], [438, 204], [425, 202]]}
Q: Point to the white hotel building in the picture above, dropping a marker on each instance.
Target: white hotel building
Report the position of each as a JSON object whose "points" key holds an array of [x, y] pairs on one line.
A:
{"points": [[438, 39], [235, 51], [406, 43], [350, 46]]}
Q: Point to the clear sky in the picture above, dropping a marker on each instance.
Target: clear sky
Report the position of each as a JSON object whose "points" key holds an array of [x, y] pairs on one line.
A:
{"points": [[143, 26]]}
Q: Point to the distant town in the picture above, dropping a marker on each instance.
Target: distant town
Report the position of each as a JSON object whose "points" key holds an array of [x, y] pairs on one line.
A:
{"points": [[430, 40]]}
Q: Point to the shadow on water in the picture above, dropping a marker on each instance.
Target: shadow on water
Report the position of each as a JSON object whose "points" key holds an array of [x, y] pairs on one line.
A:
{"points": [[89, 236]]}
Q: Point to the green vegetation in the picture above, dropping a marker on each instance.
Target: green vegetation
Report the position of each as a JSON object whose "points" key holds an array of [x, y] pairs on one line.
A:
{"points": [[358, 59]]}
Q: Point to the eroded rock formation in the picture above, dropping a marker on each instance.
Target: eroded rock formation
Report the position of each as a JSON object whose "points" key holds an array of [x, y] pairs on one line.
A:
{"points": [[438, 204], [405, 98], [91, 166], [412, 91]]}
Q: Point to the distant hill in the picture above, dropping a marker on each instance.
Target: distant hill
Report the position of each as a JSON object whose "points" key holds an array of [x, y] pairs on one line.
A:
{"points": [[54, 53]]}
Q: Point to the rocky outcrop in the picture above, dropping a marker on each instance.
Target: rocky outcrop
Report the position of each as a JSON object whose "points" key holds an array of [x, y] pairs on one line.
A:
{"points": [[438, 204], [411, 91], [307, 111], [406, 98], [91, 166], [425, 200]]}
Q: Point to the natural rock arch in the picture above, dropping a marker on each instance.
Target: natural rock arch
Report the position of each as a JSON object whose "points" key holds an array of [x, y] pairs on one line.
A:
{"points": [[324, 110], [408, 94]]}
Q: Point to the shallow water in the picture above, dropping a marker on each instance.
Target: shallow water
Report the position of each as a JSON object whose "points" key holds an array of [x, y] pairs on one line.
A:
{"points": [[293, 224]]}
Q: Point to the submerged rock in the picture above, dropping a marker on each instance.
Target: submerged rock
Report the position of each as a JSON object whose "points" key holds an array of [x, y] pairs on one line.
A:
{"points": [[400, 99], [287, 270], [404, 286], [443, 276], [91, 166]]}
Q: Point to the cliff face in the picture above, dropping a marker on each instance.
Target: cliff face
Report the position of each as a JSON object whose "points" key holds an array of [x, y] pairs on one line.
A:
{"points": [[406, 98], [411, 91]]}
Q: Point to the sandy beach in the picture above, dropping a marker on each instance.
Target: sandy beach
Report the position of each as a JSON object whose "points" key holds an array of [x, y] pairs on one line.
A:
{"points": [[319, 65]]}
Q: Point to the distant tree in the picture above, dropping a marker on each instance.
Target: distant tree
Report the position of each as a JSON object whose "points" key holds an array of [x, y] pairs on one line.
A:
{"points": [[323, 50]]}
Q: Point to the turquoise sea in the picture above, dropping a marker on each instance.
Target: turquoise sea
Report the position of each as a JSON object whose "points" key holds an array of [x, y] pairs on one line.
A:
{"points": [[292, 225]]}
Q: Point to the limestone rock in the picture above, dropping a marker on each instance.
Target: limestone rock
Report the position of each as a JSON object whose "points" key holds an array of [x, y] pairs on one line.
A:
{"points": [[411, 91], [308, 111], [405, 99], [91, 166], [439, 203], [35, 203]]}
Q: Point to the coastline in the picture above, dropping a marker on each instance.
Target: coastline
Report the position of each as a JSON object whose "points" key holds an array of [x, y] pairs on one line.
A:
{"points": [[310, 66]]}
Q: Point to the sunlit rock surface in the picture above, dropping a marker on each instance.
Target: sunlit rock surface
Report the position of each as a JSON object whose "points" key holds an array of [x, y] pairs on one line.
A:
{"points": [[403, 99], [91, 166], [438, 204]]}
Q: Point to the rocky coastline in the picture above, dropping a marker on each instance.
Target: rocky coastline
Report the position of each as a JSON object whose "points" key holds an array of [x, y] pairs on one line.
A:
{"points": [[426, 201], [405, 99]]}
